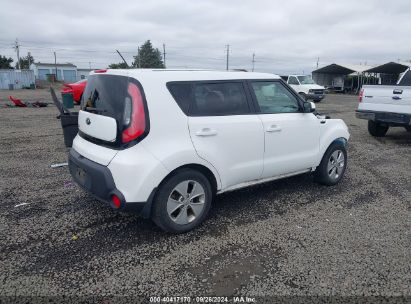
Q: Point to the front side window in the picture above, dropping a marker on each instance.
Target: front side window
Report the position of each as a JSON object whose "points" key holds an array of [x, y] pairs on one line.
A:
{"points": [[216, 99], [272, 97], [293, 80], [306, 79]]}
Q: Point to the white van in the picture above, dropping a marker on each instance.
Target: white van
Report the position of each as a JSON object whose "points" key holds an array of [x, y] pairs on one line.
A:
{"points": [[165, 142], [306, 87]]}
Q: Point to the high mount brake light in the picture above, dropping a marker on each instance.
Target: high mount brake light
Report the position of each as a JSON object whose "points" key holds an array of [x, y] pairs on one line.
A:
{"points": [[100, 71], [137, 118]]}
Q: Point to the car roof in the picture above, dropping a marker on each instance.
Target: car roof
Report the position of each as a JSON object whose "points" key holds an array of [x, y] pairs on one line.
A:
{"points": [[189, 74]]}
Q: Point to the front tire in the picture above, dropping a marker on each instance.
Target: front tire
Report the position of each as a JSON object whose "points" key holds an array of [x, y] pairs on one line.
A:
{"points": [[333, 164], [408, 128], [303, 96], [377, 129], [182, 202]]}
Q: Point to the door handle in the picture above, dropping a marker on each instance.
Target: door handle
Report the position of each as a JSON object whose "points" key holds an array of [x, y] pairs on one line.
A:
{"points": [[397, 91], [273, 128], [206, 132]]}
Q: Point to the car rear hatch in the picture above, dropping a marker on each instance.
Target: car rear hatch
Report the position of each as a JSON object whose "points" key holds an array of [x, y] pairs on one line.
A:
{"points": [[113, 116]]}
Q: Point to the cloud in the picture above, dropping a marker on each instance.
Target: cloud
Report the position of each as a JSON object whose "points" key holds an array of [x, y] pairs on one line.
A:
{"points": [[286, 36]]}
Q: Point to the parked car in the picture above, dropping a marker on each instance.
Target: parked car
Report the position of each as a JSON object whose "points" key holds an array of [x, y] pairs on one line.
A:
{"points": [[386, 106], [164, 143], [76, 88], [306, 87]]}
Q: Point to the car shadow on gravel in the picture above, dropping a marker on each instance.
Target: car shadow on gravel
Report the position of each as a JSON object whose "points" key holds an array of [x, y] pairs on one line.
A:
{"points": [[102, 231]]}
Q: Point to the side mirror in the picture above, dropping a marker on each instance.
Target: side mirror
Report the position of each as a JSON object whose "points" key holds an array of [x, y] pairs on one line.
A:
{"points": [[309, 107]]}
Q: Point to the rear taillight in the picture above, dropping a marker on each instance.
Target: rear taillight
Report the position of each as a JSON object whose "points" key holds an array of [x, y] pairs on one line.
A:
{"points": [[116, 201], [361, 95], [134, 117]]}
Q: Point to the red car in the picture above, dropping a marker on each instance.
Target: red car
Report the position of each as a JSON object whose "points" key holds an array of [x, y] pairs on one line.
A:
{"points": [[76, 89]]}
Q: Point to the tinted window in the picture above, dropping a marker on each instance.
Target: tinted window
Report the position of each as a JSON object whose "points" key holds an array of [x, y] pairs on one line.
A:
{"points": [[182, 93], [107, 95], [210, 99], [273, 97], [213, 99], [293, 80], [406, 79]]}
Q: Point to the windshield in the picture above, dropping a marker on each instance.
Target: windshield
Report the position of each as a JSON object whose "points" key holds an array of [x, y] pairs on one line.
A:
{"points": [[305, 79]]}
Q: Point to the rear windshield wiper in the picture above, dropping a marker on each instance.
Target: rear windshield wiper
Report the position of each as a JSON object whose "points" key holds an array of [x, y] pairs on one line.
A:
{"points": [[99, 110]]}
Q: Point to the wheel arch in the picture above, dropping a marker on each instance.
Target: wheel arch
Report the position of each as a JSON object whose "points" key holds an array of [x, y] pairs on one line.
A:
{"points": [[336, 131], [215, 185]]}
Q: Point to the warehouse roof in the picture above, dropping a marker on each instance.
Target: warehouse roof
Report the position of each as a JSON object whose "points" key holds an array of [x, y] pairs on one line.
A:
{"points": [[345, 69], [390, 68]]}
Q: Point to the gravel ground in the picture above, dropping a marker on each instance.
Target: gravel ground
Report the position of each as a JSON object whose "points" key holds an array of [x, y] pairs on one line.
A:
{"points": [[285, 238]]}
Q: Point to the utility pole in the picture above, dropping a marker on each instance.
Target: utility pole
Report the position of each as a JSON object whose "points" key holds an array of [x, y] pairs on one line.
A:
{"points": [[164, 55], [17, 48], [253, 62], [55, 64], [228, 51], [318, 60], [89, 65], [28, 58]]}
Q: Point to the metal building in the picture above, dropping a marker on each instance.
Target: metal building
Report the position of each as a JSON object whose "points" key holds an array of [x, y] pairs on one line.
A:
{"points": [[340, 77], [16, 79]]}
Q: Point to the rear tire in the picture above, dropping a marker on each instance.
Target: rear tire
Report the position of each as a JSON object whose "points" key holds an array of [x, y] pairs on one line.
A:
{"points": [[182, 202], [333, 164], [377, 129]]}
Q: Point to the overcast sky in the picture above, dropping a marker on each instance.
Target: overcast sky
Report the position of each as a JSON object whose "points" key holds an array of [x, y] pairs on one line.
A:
{"points": [[286, 36]]}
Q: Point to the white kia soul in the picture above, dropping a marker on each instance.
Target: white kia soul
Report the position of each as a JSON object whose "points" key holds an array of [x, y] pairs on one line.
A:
{"points": [[164, 142]]}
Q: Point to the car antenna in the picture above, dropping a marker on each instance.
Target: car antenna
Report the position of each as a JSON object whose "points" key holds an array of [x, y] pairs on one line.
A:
{"points": [[123, 59]]}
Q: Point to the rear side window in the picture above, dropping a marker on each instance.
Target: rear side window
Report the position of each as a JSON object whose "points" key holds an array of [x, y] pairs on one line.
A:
{"points": [[210, 99], [406, 79]]}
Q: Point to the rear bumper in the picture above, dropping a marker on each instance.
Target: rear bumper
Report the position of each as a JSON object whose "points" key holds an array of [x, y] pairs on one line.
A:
{"points": [[395, 119], [97, 180]]}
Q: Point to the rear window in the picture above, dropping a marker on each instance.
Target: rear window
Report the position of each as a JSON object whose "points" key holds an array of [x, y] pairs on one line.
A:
{"points": [[121, 98], [105, 95], [210, 99]]}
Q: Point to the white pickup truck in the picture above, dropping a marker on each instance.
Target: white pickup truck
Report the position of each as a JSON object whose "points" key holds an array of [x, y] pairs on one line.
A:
{"points": [[386, 106], [305, 86]]}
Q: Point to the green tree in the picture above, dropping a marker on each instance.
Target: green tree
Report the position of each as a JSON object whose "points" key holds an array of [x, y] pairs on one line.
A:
{"points": [[5, 63], [121, 65], [148, 57], [25, 62]]}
